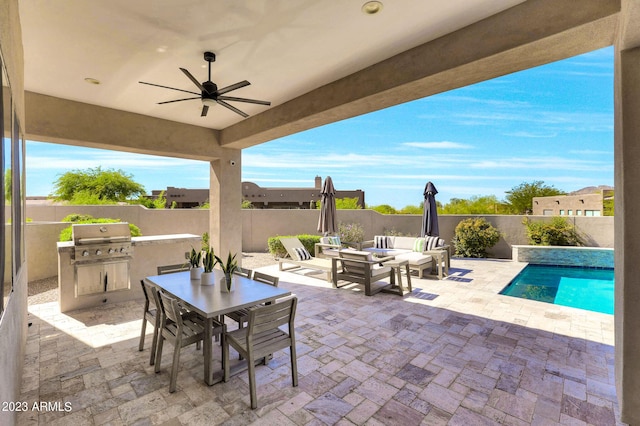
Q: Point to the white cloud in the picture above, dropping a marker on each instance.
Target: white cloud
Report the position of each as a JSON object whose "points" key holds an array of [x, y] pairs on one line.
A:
{"points": [[544, 163], [523, 134], [438, 145]]}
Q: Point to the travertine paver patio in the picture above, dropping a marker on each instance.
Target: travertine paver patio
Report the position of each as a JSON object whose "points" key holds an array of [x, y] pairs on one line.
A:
{"points": [[452, 352]]}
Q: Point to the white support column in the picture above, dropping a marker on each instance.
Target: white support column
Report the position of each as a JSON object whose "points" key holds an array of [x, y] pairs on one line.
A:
{"points": [[225, 198], [627, 233]]}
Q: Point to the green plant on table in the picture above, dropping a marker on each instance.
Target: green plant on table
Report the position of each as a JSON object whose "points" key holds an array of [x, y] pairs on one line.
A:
{"points": [[195, 258], [228, 268], [208, 260]]}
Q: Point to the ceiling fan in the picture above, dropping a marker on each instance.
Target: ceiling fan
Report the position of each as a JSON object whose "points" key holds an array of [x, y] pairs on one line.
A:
{"points": [[210, 94]]}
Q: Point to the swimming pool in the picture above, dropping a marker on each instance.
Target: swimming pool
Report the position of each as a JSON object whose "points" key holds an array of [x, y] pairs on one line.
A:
{"points": [[584, 288]]}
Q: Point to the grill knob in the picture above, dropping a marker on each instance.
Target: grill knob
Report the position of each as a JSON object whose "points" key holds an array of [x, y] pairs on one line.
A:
{"points": [[85, 253], [98, 252], [111, 251]]}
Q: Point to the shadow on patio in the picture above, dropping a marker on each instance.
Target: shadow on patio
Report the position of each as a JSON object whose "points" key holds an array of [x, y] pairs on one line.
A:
{"points": [[452, 352]]}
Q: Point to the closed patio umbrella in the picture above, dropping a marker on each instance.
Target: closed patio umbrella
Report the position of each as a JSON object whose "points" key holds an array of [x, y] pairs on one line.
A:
{"points": [[327, 221], [429, 212]]}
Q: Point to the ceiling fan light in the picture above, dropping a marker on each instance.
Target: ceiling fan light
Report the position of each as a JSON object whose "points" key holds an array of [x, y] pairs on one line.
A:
{"points": [[372, 7], [208, 102]]}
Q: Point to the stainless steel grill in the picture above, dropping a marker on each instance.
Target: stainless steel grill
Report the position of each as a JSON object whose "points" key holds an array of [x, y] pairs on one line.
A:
{"points": [[98, 242]]}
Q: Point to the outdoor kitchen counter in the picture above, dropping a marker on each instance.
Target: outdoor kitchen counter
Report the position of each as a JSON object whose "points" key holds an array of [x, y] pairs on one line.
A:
{"points": [[148, 253]]}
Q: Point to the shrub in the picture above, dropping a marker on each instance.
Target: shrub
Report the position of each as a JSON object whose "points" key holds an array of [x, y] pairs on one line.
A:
{"points": [[277, 249], [66, 233], [351, 232], [474, 236], [557, 232]]}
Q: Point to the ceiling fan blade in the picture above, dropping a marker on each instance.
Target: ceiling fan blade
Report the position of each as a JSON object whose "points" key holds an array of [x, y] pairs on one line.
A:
{"points": [[167, 87], [232, 108], [205, 109], [178, 100], [232, 87], [251, 101], [192, 78]]}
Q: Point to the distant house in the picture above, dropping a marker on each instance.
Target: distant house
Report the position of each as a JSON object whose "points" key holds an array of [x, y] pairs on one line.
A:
{"points": [[183, 198], [259, 197], [292, 198], [589, 201]]}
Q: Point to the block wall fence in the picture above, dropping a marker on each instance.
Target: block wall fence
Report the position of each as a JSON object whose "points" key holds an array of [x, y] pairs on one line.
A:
{"points": [[258, 225]]}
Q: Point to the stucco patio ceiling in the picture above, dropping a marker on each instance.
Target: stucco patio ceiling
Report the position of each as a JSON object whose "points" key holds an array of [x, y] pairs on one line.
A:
{"points": [[289, 51]]}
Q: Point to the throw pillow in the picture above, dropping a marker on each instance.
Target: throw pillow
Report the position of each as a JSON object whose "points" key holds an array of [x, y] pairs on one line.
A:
{"points": [[381, 242], [418, 245], [433, 242], [335, 241], [302, 253]]}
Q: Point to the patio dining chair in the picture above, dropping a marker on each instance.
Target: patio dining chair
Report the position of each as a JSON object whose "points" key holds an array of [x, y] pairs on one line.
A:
{"points": [[151, 314], [241, 316], [262, 337], [170, 269], [243, 272], [180, 330]]}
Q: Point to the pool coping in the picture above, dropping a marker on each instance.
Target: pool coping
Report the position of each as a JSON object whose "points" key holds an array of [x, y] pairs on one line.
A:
{"points": [[598, 257]]}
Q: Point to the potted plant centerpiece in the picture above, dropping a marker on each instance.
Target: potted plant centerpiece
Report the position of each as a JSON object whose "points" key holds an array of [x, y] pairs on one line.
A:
{"points": [[195, 261], [208, 262], [228, 268]]}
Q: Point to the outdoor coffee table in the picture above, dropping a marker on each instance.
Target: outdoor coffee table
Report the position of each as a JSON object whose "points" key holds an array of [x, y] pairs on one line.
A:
{"points": [[396, 265]]}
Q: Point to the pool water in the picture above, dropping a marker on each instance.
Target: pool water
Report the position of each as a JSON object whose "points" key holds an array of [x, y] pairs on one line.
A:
{"points": [[584, 288]]}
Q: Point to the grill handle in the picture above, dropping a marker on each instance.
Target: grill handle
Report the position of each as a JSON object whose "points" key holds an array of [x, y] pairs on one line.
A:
{"points": [[103, 240]]}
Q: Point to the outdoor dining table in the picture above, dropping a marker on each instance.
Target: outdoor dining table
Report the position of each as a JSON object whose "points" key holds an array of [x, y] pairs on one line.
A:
{"points": [[210, 302]]}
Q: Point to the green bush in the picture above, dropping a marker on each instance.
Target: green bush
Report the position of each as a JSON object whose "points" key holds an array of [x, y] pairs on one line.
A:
{"points": [[474, 236], [351, 232], [66, 233], [557, 232], [277, 249]]}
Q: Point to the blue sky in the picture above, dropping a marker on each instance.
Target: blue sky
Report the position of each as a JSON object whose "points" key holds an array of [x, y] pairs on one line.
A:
{"points": [[552, 123]]}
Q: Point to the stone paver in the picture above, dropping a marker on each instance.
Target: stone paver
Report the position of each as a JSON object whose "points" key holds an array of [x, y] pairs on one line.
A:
{"points": [[451, 352]]}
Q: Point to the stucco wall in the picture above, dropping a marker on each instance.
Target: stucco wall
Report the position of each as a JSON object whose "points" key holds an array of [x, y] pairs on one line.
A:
{"points": [[258, 225]]}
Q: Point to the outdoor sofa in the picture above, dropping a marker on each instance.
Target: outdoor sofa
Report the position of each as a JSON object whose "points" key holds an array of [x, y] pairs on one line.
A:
{"points": [[420, 252]]}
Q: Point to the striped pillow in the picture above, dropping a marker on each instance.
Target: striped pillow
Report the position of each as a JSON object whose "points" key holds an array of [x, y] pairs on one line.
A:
{"points": [[335, 241], [381, 242], [302, 253], [433, 242], [418, 245]]}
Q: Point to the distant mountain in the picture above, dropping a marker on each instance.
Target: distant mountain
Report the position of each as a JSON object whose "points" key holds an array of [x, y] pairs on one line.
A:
{"points": [[592, 190]]}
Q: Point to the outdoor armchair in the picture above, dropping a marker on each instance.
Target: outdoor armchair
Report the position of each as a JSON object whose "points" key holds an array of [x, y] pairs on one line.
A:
{"points": [[360, 267]]}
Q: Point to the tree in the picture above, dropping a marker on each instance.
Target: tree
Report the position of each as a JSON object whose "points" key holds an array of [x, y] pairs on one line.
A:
{"points": [[384, 209], [96, 184], [520, 198], [409, 209], [346, 203], [487, 204]]}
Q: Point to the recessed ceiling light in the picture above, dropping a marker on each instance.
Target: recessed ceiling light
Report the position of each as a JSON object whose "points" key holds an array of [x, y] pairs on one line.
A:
{"points": [[372, 7], [92, 80]]}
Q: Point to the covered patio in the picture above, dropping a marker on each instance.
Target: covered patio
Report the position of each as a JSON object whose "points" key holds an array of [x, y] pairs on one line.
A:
{"points": [[49, 48], [451, 352]]}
